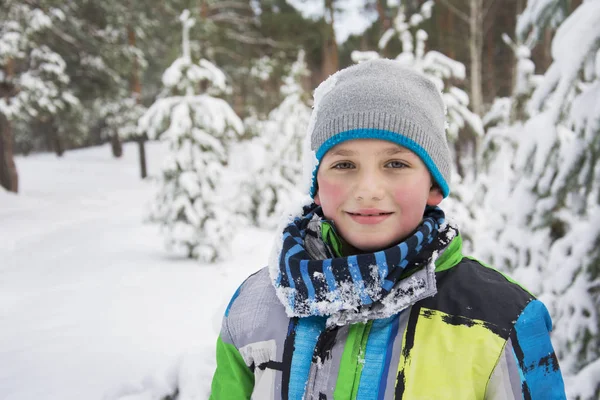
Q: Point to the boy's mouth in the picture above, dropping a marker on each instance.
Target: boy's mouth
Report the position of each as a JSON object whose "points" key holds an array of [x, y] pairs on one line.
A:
{"points": [[369, 214], [369, 217]]}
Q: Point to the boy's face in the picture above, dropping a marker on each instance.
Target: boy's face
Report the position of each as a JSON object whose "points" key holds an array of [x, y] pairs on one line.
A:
{"points": [[374, 191]]}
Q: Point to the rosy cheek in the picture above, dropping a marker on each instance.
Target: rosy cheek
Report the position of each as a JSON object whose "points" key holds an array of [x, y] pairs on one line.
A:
{"points": [[330, 193], [401, 194], [407, 198]]}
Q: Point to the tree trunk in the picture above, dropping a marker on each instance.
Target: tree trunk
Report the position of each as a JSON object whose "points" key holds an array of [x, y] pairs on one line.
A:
{"points": [[135, 84], [490, 78], [448, 34], [476, 53], [547, 48], [458, 152], [116, 145], [330, 63], [384, 19], [9, 178], [203, 5], [574, 4], [136, 92], [142, 152], [53, 139], [382, 12]]}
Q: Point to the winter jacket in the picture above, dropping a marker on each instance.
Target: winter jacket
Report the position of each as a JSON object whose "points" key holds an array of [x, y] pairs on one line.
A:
{"points": [[481, 336]]}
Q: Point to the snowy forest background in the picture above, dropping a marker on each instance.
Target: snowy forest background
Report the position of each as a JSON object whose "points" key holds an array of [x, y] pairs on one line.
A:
{"points": [[190, 116]]}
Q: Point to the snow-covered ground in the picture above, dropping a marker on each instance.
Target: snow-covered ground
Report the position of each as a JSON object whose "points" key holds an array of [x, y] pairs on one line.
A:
{"points": [[91, 305]]}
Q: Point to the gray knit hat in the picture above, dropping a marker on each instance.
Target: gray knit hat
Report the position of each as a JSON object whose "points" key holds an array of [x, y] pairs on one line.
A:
{"points": [[380, 99]]}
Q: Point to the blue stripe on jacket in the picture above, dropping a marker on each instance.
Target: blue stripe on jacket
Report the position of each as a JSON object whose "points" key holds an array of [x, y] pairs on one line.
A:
{"points": [[539, 370], [307, 334], [374, 360], [388, 356]]}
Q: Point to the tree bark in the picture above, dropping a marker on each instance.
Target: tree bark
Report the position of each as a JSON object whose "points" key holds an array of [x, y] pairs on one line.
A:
{"points": [[56, 142], [116, 145], [53, 140], [136, 92], [474, 19], [135, 84], [450, 22], [490, 70], [386, 23], [203, 9], [142, 152], [382, 9], [475, 53], [574, 4], [9, 178], [330, 63]]}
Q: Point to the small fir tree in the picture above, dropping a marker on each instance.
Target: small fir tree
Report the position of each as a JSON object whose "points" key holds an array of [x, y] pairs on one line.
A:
{"points": [[192, 205]]}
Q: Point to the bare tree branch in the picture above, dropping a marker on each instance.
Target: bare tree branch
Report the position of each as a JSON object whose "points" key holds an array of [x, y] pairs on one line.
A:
{"points": [[460, 14]]}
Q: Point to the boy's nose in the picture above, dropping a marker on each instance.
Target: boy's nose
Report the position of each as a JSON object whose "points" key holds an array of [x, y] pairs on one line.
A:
{"points": [[369, 188]]}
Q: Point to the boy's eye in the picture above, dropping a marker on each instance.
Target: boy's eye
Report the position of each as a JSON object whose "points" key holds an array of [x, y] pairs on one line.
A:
{"points": [[343, 165], [396, 164]]}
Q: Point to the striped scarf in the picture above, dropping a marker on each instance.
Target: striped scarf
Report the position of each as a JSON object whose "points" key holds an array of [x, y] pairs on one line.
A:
{"points": [[312, 280]]}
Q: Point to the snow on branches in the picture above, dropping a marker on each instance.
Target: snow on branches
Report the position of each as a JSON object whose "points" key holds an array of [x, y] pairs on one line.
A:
{"points": [[273, 183], [542, 192], [193, 205]]}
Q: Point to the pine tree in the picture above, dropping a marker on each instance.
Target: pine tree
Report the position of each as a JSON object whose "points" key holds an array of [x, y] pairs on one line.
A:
{"points": [[34, 84], [542, 201], [275, 182], [192, 204]]}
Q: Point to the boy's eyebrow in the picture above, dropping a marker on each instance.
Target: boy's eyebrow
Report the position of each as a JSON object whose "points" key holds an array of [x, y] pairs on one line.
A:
{"points": [[343, 153], [393, 150]]}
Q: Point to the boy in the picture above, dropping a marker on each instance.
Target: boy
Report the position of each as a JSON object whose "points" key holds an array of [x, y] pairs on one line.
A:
{"points": [[368, 295]]}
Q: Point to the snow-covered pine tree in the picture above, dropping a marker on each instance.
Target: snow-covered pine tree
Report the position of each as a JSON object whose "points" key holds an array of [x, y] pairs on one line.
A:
{"points": [[542, 204], [464, 127], [275, 182], [40, 97], [45, 98], [502, 233], [192, 206]]}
